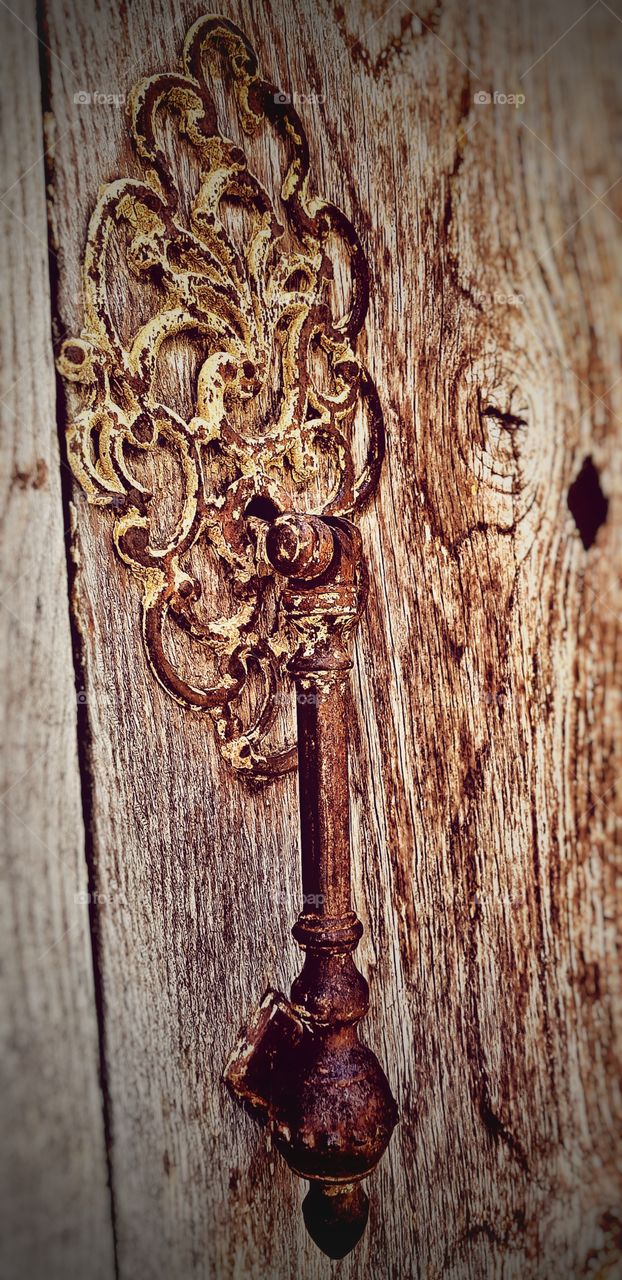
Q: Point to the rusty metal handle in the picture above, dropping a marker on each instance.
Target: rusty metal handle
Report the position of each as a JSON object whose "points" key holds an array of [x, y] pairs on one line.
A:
{"points": [[300, 1066]]}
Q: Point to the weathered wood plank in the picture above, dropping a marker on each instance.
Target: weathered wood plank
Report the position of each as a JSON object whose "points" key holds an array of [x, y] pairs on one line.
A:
{"points": [[485, 710], [56, 1204]]}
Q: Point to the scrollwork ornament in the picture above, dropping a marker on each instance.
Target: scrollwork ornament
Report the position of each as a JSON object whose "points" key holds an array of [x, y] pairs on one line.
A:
{"points": [[268, 305]]}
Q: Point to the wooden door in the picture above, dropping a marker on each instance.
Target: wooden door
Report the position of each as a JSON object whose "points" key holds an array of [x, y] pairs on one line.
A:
{"points": [[475, 150]]}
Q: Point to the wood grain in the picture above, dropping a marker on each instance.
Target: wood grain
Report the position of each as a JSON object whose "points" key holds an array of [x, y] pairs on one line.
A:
{"points": [[56, 1204], [485, 709]]}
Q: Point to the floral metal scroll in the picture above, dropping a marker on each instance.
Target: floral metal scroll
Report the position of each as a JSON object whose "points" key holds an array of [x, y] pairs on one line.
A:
{"points": [[265, 319]]}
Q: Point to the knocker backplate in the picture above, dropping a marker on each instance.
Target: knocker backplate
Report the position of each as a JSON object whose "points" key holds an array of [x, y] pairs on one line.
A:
{"points": [[236, 285]]}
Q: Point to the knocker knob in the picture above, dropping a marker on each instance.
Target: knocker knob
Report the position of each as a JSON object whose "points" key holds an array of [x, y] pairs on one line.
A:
{"points": [[320, 558], [300, 546]]}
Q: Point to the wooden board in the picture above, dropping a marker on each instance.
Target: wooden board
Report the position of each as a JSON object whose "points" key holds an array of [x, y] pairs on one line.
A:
{"points": [[56, 1202], [485, 716]]}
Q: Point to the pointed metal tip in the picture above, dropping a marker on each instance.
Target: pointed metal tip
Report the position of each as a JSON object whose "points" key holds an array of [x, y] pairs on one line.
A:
{"points": [[335, 1217]]}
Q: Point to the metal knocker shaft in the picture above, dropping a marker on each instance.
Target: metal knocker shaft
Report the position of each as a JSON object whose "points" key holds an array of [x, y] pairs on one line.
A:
{"points": [[300, 1065]]}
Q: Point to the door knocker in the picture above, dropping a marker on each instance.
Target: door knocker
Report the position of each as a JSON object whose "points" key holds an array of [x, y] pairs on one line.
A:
{"points": [[265, 315]]}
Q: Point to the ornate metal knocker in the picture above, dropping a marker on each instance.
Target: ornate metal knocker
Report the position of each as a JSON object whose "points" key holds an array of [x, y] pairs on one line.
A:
{"points": [[293, 561]]}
